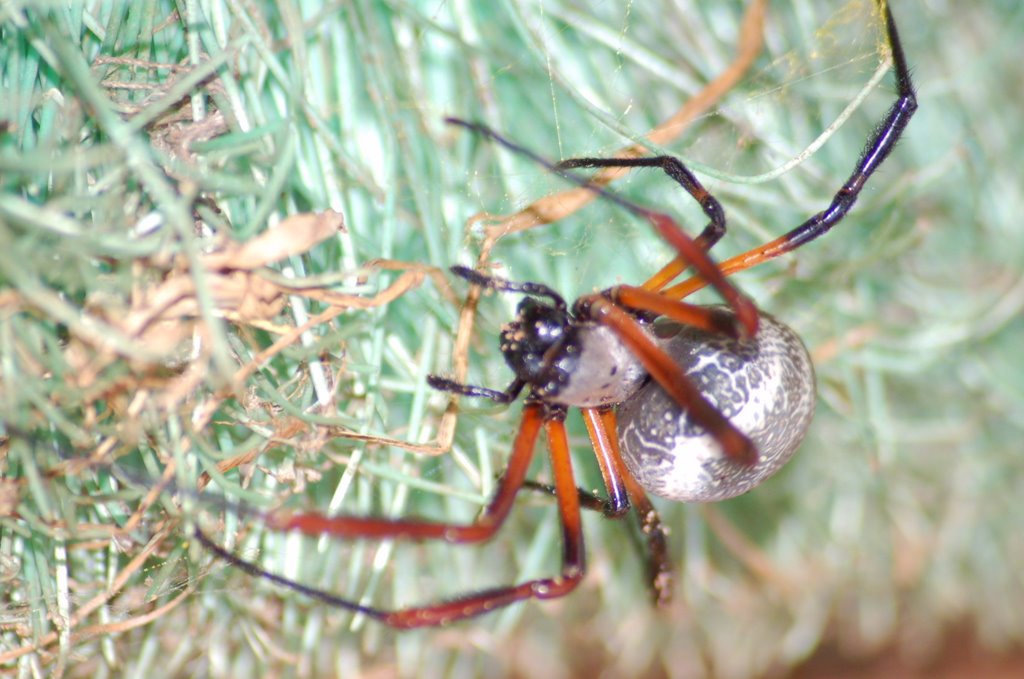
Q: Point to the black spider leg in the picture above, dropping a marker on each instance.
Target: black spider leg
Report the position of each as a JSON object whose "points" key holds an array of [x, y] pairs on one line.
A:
{"points": [[505, 285], [878, 147], [505, 397], [880, 144], [588, 500], [876, 150], [255, 571], [675, 169]]}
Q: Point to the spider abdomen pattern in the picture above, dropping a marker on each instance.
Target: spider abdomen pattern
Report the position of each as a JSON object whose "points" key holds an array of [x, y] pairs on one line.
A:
{"points": [[764, 386]]}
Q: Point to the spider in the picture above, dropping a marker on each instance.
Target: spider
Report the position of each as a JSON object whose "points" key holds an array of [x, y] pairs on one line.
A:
{"points": [[698, 409]]}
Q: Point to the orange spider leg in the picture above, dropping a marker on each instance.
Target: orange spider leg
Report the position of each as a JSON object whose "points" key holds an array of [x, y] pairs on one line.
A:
{"points": [[573, 561], [602, 428]]}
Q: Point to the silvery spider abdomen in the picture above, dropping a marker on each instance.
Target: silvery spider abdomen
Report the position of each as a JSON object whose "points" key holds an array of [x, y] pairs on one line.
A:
{"points": [[764, 385]]}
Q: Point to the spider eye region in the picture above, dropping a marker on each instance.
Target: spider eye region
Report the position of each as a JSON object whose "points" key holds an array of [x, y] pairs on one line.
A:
{"points": [[569, 361], [534, 343], [763, 385]]}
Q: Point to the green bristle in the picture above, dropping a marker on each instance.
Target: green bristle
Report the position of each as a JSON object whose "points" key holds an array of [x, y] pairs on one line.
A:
{"points": [[896, 522]]}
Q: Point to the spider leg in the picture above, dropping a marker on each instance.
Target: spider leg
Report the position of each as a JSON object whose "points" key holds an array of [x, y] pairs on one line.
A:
{"points": [[878, 147], [535, 415], [675, 169], [509, 395], [589, 501], [669, 230], [623, 493], [703, 317], [504, 285], [609, 462], [669, 375], [602, 428], [483, 528]]}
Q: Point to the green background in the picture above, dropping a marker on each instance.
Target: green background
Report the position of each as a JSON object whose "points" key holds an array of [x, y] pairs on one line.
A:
{"points": [[896, 522]]}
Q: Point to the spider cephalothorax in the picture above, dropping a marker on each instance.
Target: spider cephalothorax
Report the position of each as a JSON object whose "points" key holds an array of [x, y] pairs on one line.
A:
{"points": [[567, 359]]}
